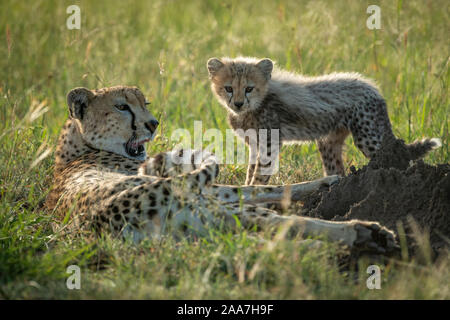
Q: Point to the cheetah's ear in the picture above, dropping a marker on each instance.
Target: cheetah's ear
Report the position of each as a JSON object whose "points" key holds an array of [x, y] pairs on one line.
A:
{"points": [[78, 99], [214, 65], [266, 66]]}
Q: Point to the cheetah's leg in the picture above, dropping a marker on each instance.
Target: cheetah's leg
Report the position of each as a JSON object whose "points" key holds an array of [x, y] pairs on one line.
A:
{"points": [[330, 148], [358, 235], [261, 194]]}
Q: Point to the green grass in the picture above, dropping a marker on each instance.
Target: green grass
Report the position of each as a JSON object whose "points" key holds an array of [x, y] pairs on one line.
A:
{"points": [[162, 47]]}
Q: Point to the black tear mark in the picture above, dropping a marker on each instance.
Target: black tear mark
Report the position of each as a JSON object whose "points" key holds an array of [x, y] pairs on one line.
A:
{"points": [[133, 116], [133, 125], [133, 119]]}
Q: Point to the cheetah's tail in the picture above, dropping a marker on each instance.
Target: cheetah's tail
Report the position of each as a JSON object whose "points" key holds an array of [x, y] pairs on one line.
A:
{"points": [[418, 149]]}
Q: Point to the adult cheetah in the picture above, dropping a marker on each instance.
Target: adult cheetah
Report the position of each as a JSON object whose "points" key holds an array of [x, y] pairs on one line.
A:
{"points": [[102, 178]]}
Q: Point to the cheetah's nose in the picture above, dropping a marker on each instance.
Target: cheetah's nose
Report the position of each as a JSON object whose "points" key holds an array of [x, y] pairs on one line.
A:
{"points": [[238, 104], [152, 125]]}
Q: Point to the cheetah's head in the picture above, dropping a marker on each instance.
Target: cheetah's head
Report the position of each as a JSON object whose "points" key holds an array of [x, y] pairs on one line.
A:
{"points": [[240, 84], [113, 119]]}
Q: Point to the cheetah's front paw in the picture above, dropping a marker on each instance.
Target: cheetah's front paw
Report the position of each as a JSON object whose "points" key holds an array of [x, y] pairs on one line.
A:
{"points": [[175, 162], [371, 237], [330, 180], [156, 166]]}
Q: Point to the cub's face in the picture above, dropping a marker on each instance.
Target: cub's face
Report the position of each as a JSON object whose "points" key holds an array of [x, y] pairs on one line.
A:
{"points": [[113, 119], [240, 84]]}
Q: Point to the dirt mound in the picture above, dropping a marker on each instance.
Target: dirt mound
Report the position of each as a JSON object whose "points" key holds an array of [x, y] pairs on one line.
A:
{"points": [[389, 189]]}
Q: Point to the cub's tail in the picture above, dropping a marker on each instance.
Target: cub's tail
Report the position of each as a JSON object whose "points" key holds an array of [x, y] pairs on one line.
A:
{"points": [[418, 149]]}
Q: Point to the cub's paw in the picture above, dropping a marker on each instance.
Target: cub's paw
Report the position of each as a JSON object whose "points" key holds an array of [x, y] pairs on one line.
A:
{"points": [[371, 237]]}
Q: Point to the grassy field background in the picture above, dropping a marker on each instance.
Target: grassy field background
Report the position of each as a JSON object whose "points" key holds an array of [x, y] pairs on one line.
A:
{"points": [[162, 47]]}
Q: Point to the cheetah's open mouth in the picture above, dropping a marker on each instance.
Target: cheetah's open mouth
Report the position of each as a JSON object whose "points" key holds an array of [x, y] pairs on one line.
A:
{"points": [[135, 148]]}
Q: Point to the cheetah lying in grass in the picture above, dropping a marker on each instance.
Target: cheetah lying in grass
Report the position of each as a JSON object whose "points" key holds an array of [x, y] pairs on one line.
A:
{"points": [[103, 179]]}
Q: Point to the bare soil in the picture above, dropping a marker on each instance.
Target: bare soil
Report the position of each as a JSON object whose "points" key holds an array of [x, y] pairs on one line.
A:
{"points": [[392, 188]]}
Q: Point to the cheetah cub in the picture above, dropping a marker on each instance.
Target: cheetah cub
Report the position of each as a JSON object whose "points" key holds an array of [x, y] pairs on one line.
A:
{"points": [[325, 109]]}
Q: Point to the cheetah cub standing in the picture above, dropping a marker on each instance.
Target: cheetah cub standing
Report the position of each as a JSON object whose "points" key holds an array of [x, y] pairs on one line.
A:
{"points": [[325, 109]]}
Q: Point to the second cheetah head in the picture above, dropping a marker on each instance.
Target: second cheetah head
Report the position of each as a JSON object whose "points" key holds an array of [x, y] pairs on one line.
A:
{"points": [[240, 84], [113, 119]]}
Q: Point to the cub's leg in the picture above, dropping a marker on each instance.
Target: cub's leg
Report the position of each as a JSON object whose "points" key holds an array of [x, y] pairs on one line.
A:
{"points": [[266, 160], [253, 154], [370, 122], [330, 148]]}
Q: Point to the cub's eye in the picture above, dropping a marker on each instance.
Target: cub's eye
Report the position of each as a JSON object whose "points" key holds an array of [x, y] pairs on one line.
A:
{"points": [[228, 89], [122, 107], [248, 89]]}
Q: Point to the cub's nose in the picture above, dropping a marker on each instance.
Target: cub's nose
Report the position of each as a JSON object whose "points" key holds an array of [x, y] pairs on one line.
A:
{"points": [[238, 104], [152, 125]]}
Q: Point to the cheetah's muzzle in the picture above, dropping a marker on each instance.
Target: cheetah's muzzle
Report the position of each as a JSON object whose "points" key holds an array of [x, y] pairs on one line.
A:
{"points": [[135, 148]]}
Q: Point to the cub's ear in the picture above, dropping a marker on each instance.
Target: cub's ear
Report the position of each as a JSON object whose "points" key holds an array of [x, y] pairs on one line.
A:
{"points": [[78, 99], [266, 66], [214, 65]]}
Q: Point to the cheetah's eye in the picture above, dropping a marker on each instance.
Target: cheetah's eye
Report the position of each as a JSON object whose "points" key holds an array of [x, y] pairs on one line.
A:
{"points": [[228, 89], [248, 89], [122, 107]]}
